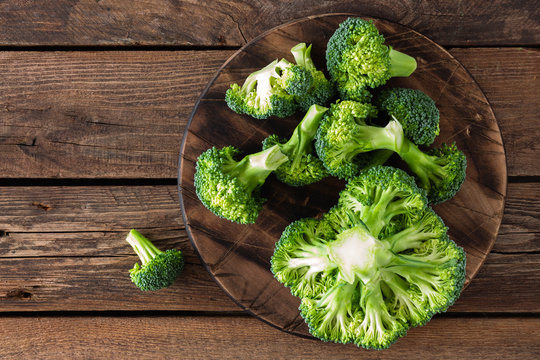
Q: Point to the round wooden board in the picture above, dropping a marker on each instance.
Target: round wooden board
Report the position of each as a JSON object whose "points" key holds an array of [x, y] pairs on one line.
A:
{"points": [[238, 256]]}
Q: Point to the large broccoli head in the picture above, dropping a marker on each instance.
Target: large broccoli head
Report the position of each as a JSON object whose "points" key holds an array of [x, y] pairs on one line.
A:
{"points": [[357, 59], [376, 264]]}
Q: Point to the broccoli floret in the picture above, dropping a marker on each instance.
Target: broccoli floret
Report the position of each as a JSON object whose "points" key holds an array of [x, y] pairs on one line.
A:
{"points": [[230, 188], [344, 138], [416, 112], [159, 269], [357, 59], [321, 90], [336, 135], [376, 264], [263, 93], [303, 166]]}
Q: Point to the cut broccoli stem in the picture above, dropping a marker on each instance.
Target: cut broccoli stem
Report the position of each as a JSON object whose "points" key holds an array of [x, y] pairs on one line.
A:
{"points": [[142, 246], [401, 65], [301, 141], [302, 55], [253, 169]]}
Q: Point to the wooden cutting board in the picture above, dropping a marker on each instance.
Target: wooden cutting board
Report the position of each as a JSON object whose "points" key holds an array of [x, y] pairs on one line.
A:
{"points": [[238, 256]]}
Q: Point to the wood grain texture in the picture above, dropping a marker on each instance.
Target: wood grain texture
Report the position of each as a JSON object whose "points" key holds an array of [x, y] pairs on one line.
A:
{"points": [[122, 114], [247, 338], [72, 255], [507, 87], [238, 256], [225, 22]]}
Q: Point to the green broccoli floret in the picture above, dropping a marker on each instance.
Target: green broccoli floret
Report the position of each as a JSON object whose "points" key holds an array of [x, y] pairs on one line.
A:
{"points": [[337, 130], [416, 112], [357, 59], [159, 269], [376, 264], [264, 94], [303, 166], [230, 188], [343, 136], [321, 91]]}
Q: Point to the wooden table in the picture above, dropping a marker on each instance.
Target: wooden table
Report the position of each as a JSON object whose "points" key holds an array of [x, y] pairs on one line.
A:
{"points": [[94, 99]]}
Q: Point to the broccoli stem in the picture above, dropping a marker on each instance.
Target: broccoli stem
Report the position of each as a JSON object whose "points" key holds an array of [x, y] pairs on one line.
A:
{"points": [[426, 167], [254, 79], [302, 56], [401, 65], [142, 246], [253, 169], [301, 141]]}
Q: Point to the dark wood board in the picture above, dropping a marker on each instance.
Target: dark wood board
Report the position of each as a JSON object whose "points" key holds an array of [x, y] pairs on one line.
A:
{"points": [[102, 114], [233, 22], [241, 337], [238, 255]]}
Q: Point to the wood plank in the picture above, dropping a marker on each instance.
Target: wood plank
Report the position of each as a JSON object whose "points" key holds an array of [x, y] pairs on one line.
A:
{"points": [[160, 22], [122, 114], [508, 88], [248, 338], [63, 248]]}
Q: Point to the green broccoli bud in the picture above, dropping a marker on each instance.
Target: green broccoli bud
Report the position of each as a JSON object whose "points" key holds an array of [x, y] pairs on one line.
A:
{"points": [[230, 188], [303, 166], [416, 112], [357, 59], [158, 269]]}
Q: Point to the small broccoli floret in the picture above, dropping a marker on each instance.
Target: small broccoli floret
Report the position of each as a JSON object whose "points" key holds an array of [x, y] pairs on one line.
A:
{"points": [[416, 112], [321, 91], [357, 59], [263, 94], [159, 269], [376, 264], [296, 80], [303, 166], [344, 138], [441, 171], [336, 140], [230, 188]]}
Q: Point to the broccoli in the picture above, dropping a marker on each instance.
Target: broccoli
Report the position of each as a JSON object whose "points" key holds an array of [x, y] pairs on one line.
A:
{"points": [[230, 188], [415, 110], [159, 269], [357, 59], [270, 91], [344, 138], [303, 166], [321, 90], [377, 263]]}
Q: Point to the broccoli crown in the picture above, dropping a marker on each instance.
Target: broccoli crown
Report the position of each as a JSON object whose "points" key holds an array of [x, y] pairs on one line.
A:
{"points": [[441, 171], [262, 95], [416, 112], [321, 91], [376, 264], [159, 269], [296, 80], [340, 138], [230, 188], [357, 59], [303, 166]]}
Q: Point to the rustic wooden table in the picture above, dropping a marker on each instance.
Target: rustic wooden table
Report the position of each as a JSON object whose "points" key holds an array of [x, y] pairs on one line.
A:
{"points": [[94, 99]]}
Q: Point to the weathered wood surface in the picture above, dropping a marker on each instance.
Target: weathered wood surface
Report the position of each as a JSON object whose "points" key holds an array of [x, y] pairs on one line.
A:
{"points": [[104, 114], [161, 22], [234, 337], [238, 255], [63, 248]]}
